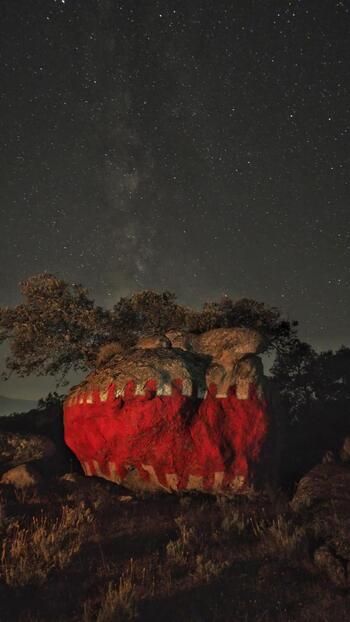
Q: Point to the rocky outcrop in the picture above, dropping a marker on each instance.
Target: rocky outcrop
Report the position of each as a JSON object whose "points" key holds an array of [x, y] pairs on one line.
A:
{"points": [[218, 341], [161, 365], [331, 565], [178, 412], [322, 499], [225, 348], [222, 356], [16, 449]]}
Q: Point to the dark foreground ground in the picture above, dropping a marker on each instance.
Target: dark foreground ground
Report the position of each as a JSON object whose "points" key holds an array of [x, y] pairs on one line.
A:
{"points": [[86, 551], [77, 549]]}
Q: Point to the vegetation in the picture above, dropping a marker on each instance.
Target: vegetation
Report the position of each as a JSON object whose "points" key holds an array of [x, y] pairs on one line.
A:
{"points": [[58, 327], [315, 392], [305, 377], [30, 554], [89, 552], [147, 559]]}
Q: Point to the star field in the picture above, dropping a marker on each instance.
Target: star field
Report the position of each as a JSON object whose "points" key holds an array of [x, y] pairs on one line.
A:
{"points": [[201, 147]]}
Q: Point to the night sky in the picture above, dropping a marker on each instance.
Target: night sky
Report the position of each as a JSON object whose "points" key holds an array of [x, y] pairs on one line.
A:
{"points": [[201, 147]]}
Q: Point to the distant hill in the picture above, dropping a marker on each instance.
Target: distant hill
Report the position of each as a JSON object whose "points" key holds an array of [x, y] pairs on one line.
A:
{"points": [[10, 405]]}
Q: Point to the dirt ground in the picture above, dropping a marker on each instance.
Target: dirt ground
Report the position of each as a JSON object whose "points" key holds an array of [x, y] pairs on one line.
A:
{"points": [[89, 551]]}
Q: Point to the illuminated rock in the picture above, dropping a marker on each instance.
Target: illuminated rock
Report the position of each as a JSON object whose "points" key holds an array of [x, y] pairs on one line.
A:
{"points": [[174, 419]]}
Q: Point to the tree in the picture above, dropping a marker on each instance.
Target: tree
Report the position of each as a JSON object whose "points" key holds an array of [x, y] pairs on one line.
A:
{"points": [[332, 370], [294, 372], [226, 313], [58, 327], [307, 379], [55, 329], [148, 312]]}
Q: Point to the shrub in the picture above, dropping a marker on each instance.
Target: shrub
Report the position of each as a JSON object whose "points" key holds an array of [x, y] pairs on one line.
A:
{"points": [[30, 553], [285, 538], [234, 522], [118, 603], [178, 550], [207, 569]]}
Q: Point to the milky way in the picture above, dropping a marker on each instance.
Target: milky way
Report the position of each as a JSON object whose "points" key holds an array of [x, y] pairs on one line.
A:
{"points": [[200, 147]]}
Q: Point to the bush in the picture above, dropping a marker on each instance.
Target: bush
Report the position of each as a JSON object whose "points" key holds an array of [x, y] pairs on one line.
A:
{"points": [[284, 538], [207, 569], [30, 553], [118, 603]]}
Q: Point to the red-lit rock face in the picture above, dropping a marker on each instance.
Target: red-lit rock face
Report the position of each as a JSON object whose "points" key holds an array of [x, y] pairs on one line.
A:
{"points": [[175, 429], [173, 442]]}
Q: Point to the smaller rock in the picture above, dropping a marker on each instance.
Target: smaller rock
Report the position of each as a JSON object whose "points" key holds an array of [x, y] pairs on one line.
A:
{"points": [[155, 341], [179, 339], [22, 476], [75, 478], [331, 565], [323, 499]]}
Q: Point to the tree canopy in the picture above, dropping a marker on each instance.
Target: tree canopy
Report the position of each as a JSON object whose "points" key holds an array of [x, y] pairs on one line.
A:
{"points": [[307, 378], [58, 327]]}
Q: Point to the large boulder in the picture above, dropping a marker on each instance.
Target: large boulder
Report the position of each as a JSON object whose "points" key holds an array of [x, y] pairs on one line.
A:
{"points": [[175, 415], [17, 449]]}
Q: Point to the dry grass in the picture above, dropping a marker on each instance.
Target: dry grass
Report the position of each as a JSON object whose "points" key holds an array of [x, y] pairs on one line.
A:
{"points": [[179, 550], [234, 522], [284, 538], [118, 603], [163, 559], [30, 553], [207, 570]]}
